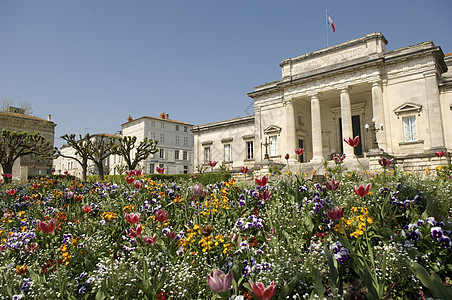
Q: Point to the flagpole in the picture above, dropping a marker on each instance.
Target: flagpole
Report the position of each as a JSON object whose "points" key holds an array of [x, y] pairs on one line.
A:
{"points": [[326, 26]]}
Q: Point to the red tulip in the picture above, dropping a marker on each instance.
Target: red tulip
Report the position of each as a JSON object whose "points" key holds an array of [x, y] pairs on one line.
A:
{"points": [[171, 235], [333, 186], [299, 151], [149, 240], [362, 190], [11, 192], [130, 179], [265, 195], [262, 181], [244, 170], [440, 154], [352, 142], [130, 172], [336, 214], [262, 292], [287, 156], [35, 186], [138, 184], [47, 227], [338, 159], [86, 208], [134, 231], [212, 163], [384, 162], [133, 218], [160, 170], [161, 215], [138, 172]]}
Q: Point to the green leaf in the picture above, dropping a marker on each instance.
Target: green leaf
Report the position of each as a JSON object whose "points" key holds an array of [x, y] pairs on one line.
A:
{"points": [[288, 288], [319, 288], [432, 282]]}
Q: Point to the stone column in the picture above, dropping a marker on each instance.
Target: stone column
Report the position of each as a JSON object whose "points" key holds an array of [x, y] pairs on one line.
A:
{"points": [[291, 132], [316, 122], [258, 156], [434, 113], [378, 113], [346, 116]]}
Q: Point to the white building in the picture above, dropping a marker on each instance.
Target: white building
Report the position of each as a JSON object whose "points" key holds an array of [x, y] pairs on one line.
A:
{"points": [[175, 143], [331, 94]]}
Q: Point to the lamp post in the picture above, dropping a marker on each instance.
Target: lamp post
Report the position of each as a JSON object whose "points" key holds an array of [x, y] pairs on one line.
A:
{"points": [[265, 143], [375, 128]]}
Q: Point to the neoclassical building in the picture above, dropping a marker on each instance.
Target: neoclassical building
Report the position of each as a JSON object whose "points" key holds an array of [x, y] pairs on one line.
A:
{"points": [[399, 102], [17, 120]]}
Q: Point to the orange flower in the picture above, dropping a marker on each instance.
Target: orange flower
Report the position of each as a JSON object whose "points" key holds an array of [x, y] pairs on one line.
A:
{"points": [[78, 198], [21, 270]]}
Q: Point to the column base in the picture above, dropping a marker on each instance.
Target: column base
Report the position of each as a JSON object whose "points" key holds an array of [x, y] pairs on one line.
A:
{"points": [[317, 160]]}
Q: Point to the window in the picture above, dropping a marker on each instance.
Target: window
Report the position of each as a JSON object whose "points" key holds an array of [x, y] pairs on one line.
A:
{"points": [[227, 152], [162, 153], [162, 125], [185, 169], [177, 140], [249, 150], [177, 127], [153, 123], [273, 145], [409, 129], [151, 168], [153, 135], [185, 155], [185, 129], [185, 141], [176, 154], [206, 154], [162, 138]]}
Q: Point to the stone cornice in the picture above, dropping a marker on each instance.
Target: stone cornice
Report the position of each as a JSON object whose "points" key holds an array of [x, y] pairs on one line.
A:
{"points": [[225, 123]]}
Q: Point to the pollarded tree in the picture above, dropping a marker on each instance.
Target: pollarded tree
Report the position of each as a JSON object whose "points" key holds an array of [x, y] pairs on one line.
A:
{"points": [[14, 144], [100, 147], [125, 146], [81, 147]]}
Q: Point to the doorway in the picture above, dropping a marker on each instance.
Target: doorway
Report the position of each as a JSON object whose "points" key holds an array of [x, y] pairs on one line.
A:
{"points": [[356, 127]]}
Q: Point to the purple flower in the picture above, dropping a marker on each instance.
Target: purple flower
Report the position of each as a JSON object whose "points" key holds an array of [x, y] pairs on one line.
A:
{"points": [[436, 232], [218, 281]]}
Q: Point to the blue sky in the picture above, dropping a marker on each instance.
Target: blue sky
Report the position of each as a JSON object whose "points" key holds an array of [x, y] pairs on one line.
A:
{"points": [[91, 64]]}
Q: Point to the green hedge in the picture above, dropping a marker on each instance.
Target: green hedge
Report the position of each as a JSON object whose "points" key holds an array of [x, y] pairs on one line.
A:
{"points": [[204, 179], [55, 176]]}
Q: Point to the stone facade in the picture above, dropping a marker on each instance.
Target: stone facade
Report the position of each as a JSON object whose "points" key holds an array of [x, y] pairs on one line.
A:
{"points": [[15, 119], [175, 143], [405, 95]]}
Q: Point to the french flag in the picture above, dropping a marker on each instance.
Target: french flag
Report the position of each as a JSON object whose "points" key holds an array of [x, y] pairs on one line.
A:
{"points": [[330, 21]]}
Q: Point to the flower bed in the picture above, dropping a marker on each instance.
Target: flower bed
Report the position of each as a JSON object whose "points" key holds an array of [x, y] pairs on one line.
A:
{"points": [[369, 236]]}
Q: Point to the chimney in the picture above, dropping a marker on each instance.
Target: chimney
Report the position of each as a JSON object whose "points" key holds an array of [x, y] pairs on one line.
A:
{"points": [[129, 119], [49, 118], [164, 116]]}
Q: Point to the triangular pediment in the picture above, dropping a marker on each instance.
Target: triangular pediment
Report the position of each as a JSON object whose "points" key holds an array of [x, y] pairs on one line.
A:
{"points": [[272, 129], [408, 108]]}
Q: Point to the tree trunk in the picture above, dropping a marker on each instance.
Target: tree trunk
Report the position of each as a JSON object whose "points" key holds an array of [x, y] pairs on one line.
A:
{"points": [[100, 168], [7, 169], [84, 169]]}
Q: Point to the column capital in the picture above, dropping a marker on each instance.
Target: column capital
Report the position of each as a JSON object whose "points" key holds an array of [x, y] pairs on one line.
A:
{"points": [[315, 94], [344, 89], [375, 83]]}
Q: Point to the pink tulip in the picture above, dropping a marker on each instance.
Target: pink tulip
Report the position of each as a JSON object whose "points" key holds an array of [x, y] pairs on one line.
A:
{"points": [[149, 240], [262, 292], [134, 231], [218, 281], [244, 170], [86, 208], [138, 184], [31, 248], [130, 179], [161, 215], [133, 218], [384, 162], [262, 181], [336, 214], [160, 170], [333, 186], [47, 227], [198, 189], [440, 154], [338, 159], [352, 142], [362, 190], [299, 151]]}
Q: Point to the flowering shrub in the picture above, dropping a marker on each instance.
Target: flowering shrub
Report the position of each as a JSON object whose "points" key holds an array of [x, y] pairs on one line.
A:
{"points": [[266, 237]]}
